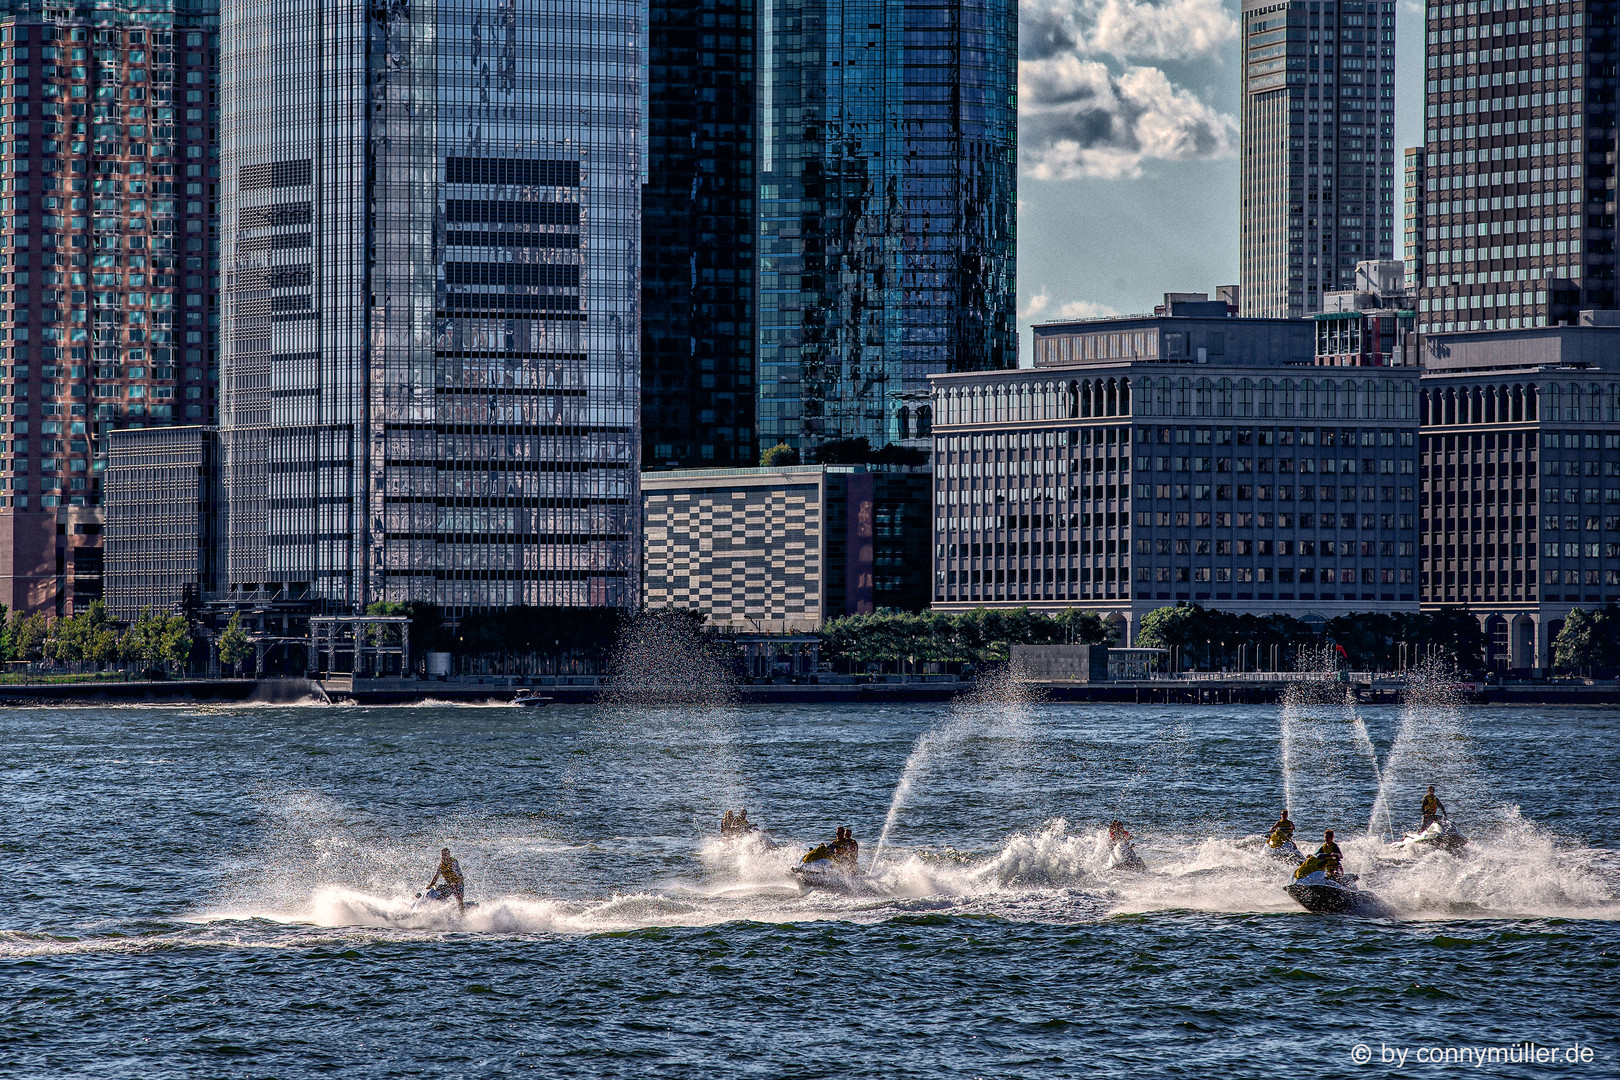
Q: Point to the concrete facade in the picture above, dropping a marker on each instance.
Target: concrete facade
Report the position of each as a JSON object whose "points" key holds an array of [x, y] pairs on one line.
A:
{"points": [[1255, 482], [1520, 473]]}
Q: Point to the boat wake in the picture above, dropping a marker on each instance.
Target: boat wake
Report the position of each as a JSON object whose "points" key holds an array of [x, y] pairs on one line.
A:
{"points": [[1049, 874]]}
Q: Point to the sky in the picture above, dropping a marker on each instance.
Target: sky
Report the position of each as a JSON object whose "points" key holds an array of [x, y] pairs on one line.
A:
{"points": [[1127, 133]]}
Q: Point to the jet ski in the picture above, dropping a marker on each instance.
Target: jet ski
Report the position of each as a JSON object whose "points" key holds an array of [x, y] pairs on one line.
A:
{"points": [[439, 894], [1123, 856], [821, 869], [1330, 896], [1442, 835], [1287, 852]]}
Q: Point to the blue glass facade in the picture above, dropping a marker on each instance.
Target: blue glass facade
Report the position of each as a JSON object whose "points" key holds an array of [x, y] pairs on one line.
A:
{"points": [[430, 370], [698, 235], [887, 203]]}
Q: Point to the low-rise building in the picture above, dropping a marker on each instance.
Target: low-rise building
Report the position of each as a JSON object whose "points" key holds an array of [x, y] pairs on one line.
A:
{"points": [[785, 549], [1371, 325], [1145, 461], [161, 540], [1520, 476]]}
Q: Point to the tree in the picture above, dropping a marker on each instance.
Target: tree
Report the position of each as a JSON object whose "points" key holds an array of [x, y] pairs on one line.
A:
{"points": [[86, 636], [175, 641], [234, 646], [1172, 628], [779, 456], [27, 634], [158, 638], [1589, 640]]}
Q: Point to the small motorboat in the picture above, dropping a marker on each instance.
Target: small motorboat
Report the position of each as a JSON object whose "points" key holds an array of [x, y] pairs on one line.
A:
{"points": [[1333, 896], [530, 699], [1286, 851], [1440, 835]]}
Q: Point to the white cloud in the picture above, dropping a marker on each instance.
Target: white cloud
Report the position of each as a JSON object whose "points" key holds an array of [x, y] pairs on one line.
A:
{"points": [[1077, 119], [1040, 307], [1178, 30], [1173, 30]]}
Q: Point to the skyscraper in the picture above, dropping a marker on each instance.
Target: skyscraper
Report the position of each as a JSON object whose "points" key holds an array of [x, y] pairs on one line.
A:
{"points": [[888, 210], [430, 364], [699, 215], [1412, 205], [1318, 149], [108, 121], [1519, 164]]}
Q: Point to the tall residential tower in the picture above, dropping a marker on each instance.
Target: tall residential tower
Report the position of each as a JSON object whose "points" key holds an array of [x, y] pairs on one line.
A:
{"points": [[1318, 149], [108, 122], [430, 348], [888, 209], [1519, 166]]}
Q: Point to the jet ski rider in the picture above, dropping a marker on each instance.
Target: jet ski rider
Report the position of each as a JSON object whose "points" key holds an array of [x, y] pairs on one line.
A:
{"points": [[1118, 833], [1332, 857], [1282, 832], [450, 871], [845, 851], [1433, 809], [1326, 858]]}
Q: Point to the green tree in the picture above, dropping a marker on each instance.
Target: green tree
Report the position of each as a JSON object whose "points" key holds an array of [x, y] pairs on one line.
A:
{"points": [[1179, 627], [175, 641], [87, 636], [778, 456], [27, 635], [142, 640], [234, 646], [1589, 641]]}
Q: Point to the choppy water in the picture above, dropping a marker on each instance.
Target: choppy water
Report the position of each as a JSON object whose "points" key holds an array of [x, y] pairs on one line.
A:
{"points": [[228, 892]]}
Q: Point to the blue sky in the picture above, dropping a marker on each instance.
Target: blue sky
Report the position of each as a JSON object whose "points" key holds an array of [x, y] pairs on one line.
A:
{"points": [[1128, 172]]}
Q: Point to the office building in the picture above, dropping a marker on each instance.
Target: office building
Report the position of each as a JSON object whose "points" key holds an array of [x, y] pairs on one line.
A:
{"points": [[1317, 147], [161, 540], [1371, 325], [430, 348], [1520, 475], [1518, 212], [699, 214], [109, 116], [1144, 461], [786, 549], [888, 207], [1412, 205]]}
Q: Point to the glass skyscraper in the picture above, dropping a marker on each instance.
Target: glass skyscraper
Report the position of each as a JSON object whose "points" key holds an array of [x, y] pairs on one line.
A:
{"points": [[888, 200], [1318, 149], [108, 124], [1519, 164], [430, 347], [699, 223]]}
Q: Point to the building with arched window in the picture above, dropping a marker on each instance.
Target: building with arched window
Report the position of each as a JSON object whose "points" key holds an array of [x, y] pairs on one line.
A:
{"points": [[1519, 472], [1144, 461]]}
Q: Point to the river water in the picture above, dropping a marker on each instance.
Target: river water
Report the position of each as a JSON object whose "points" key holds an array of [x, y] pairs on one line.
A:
{"points": [[229, 891]]}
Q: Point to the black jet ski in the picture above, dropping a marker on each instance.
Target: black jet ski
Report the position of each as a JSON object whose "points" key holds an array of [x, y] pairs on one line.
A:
{"points": [[439, 894], [1332, 896], [1286, 851], [1440, 835]]}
